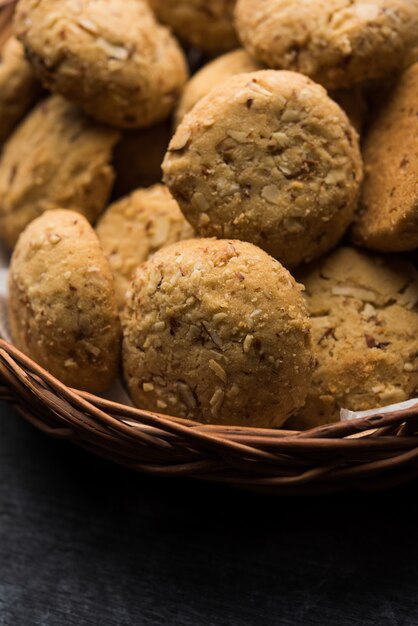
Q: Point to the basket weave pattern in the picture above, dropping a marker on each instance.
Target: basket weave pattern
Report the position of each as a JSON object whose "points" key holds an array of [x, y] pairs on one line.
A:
{"points": [[369, 453]]}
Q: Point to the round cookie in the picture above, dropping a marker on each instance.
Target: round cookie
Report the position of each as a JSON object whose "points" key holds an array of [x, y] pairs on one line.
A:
{"points": [[388, 216], [338, 43], [206, 25], [19, 87], [62, 307], [57, 157], [211, 75], [137, 226], [216, 331], [365, 335], [269, 158], [111, 58], [138, 158]]}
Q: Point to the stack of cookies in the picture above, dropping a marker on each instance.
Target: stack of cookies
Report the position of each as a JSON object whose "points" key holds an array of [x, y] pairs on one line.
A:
{"points": [[241, 239]]}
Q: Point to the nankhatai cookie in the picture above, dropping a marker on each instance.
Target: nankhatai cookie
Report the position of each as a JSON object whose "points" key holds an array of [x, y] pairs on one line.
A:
{"points": [[206, 25], [269, 158], [137, 226], [217, 331], [338, 43], [215, 72], [19, 87], [110, 57], [388, 217], [57, 157], [62, 306], [365, 334], [138, 157]]}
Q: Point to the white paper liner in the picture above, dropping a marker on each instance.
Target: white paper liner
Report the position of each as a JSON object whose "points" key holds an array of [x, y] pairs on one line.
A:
{"points": [[345, 414]]}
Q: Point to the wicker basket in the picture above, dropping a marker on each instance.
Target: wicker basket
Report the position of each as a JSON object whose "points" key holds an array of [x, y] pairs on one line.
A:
{"points": [[369, 453]]}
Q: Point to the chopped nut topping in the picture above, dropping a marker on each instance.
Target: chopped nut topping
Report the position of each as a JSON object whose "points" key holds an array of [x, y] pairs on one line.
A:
{"points": [[187, 395], [180, 139], [216, 401], [218, 370], [271, 193], [147, 387], [354, 292], [247, 343]]}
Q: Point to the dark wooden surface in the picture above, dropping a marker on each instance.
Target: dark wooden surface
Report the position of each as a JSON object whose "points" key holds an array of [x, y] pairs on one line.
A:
{"points": [[86, 542]]}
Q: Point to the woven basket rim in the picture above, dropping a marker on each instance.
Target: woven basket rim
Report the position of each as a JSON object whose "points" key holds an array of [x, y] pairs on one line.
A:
{"points": [[368, 453], [373, 452]]}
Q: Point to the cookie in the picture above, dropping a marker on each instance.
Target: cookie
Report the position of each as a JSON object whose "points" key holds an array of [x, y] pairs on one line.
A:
{"points": [[62, 306], [57, 157], [137, 226], [215, 72], [269, 158], [19, 87], [388, 217], [138, 158], [365, 335], [115, 61], [216, 331], [206, 25], [338, 43]]}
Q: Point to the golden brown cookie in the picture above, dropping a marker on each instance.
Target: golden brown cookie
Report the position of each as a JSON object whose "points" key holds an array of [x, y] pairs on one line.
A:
{"points": [[138, 158], [269, 158], [206, 25], [217, 331], [19, 87], [215, 72], [57, 157], [388, 217], [111, 58], [137, 226], [338, 43], [62, 306], [365, 335]]}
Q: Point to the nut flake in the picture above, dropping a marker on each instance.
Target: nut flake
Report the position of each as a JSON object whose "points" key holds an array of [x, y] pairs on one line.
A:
{"points": [[218, 370], [271, 193]]}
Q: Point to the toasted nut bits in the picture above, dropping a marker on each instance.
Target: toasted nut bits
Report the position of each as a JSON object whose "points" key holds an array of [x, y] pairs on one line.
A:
{"points": [[56, 158], [365, 332], [388, 216], [62, 306], [338, 43], [137, 226], [110, 57], [269, 158], [208, 25], [217, 331]]}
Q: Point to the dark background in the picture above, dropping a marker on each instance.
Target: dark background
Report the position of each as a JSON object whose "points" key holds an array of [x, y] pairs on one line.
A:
{"points": [[86, 542]]}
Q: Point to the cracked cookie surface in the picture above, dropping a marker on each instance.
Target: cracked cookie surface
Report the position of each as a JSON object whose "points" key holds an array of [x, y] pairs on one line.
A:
{"points": [[269, 158], [62, 306], [364, 317], [336, 42], [57, 157], [111, 58], [217, 331], [137, 226]]}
